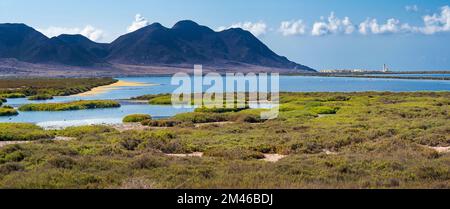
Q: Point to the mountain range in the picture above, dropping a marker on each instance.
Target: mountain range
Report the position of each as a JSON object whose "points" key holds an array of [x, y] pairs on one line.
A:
{"points": [[186, 43]]}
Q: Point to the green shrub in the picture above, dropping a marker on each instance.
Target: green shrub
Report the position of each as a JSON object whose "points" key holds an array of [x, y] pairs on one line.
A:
{"points": [[200, 117], [40, 97], [15, 156], [218, 110], [130, 143], [162, 140], [23, 132], [13, 95], [78, 131], [64, 162], [161, 123], [149, 96], [10, 167], [324, 110], [148, 161], [165, 99], [14, 88], [77, 105], [135, 118], [7, 111]]}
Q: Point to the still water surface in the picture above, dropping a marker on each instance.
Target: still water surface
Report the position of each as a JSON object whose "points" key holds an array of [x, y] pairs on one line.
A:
{"points": [[115, 115]]}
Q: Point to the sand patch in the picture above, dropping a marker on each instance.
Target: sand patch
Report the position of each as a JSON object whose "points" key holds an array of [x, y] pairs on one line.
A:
{"points": [[2, 144], [328, 152], [129, 126], [116, 85], [440, 149], [273, 157], [194, 154], [198, 125]]}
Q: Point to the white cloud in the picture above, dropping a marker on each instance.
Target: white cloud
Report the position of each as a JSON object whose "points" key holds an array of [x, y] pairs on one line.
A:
{"points": [[437, 22], [257, 29], [392, 25], [432, 24], [88, 31], [291, 28], [412, 8], [138, 23], [333, 25], [92, 33]]}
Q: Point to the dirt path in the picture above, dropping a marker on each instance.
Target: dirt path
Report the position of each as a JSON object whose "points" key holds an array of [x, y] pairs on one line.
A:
{"points": [[57, 138]]}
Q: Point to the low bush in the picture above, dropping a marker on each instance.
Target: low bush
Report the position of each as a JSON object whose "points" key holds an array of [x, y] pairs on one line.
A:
{"points": [[23, 132], [6, 111], [200, 117], [10, 167], [218, 110], [324, 110], [13, 95], [148, 161], [135, 118], [86, 130], [161, 123], [161, 100], [40, 97], [63, 162], [78, 105]]}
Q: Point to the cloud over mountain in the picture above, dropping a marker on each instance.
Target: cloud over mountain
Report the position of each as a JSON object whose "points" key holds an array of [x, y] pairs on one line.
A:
{"points": [[138, 23], [256, 28], [88, 31]]}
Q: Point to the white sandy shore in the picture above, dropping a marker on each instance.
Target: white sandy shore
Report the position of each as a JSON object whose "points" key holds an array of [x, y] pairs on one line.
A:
{"points": [[116, 85]]}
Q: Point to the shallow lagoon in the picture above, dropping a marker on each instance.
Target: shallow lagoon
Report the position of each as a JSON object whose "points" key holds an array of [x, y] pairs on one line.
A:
{"points": [[115, 115]]}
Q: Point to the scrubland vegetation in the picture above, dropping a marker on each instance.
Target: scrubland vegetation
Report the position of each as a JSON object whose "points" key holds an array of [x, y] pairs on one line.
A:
{"points": [[8, 111], [40, 97], [22, 132], [136, 118], [47, 87], [366, 140], [77, 105]]}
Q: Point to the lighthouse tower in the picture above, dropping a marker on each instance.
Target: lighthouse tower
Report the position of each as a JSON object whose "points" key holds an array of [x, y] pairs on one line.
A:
{"points": [[385, 68]]}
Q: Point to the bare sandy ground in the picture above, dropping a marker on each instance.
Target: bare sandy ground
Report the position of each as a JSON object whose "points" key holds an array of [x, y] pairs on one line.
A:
{"points": [[440, 149], [195, 154], [273, 157], [130, 126], [212, 123], [116, 85]]}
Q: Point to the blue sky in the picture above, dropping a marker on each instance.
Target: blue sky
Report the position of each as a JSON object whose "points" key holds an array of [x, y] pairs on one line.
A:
{"points": [[323, 34]]}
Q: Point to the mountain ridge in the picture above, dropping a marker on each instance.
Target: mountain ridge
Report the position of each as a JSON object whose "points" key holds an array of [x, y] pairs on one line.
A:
{"points": [[186, 43]]}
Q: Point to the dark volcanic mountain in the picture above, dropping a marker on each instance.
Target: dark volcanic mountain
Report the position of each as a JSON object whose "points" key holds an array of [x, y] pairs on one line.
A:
{"points": [[26, 44], [185, 43], [98, 50]]}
